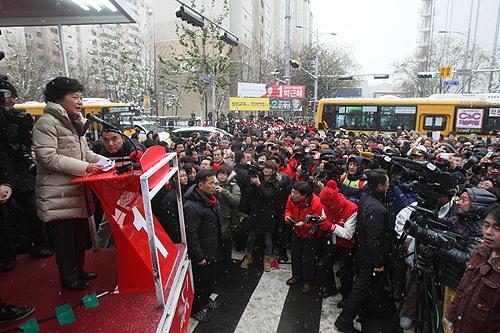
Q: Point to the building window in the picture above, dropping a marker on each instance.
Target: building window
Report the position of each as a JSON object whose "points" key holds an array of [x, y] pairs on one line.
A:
{"points": [[94, 33], [262, 19], [40, 46], [69, 36], [261, 33], [245, 16], [53, 30], [39, 34], [94, 43], [262, 3], [27, 35]]}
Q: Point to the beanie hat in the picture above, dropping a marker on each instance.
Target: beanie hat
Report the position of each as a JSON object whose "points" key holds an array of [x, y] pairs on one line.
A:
{"points": [[330, 194], [6, 85]]}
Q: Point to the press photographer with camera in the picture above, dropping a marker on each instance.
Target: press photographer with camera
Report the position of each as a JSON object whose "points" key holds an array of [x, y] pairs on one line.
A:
{"points": [[374, 246], [341, 218], [468, 224], [16, 128], [301, 203], [263, 193], [476, 305]]}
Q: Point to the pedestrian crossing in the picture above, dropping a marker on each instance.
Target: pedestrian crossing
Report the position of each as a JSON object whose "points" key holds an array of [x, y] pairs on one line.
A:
{"points": [[255, 301]]}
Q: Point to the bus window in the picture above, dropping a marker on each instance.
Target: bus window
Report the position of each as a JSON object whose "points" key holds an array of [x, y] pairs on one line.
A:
{"points": [[393, 116], [435, 123], [356, 117], [493, 122]]}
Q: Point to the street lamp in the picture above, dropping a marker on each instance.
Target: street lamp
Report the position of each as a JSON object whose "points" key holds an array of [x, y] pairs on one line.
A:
{"points": [[316, 65], [466, 47]]}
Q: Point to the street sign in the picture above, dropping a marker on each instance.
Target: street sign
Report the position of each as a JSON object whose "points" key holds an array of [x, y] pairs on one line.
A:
{"points": [[445, 72], [464, 72], [147, 104], [451, 83], [207, 79]]}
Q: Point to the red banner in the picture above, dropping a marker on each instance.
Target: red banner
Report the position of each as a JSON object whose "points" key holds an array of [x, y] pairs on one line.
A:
{"points": [[285, 92]]}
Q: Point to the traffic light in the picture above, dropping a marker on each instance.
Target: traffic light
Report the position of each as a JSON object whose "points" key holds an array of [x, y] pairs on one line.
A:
{"points": [[380, 76], [294, 64], [190, 17], [426, 75], [229, 39], [345, 77]]}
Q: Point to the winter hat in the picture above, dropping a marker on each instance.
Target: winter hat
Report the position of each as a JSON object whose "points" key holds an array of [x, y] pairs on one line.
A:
{"points": [[6, 86], [480, 199], [330, 194]]}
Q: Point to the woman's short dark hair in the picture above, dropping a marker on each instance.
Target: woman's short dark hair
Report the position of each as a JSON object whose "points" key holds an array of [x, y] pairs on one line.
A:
{"points": [[60, 87], [376, 177], [271, 165], [224, 168], [189, 168]]}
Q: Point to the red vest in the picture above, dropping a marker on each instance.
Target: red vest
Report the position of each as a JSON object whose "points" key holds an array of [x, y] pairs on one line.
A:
{"points": [[338, 216]]}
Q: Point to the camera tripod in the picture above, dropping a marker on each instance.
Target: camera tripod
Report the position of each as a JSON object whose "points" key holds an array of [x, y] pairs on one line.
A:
{"points": [[427, 312]]}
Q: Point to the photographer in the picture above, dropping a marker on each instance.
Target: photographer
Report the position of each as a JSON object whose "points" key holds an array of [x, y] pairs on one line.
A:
{"points": [[476, 305], [341, 216], [468, 224], [374, 244], [16, 127], [303, 202], [263, 194], [354, 181]]}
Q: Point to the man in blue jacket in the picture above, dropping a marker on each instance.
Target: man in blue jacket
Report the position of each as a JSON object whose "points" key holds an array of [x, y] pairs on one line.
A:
{"points": [[203, 231]]}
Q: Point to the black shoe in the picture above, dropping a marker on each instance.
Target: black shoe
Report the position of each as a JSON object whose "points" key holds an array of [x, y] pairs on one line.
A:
{"points": [[8, 264], [77, 285], [12, 313], [283, 259], [345, 328], [85, 276], [291, 281], [306, 289], [41, 252], [325, 294], [341, 304]]}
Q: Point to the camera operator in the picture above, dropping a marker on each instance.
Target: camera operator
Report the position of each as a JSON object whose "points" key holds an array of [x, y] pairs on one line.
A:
{"points": [[468, 224], [16, 127], [263, 194], [374, 242], [354, 181], [303, 202], [341, 216], [476, 305], [445, 209]]}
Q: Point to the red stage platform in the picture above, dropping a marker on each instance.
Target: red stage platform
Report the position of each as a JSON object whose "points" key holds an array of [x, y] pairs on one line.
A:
{"points": [[35, 282]]}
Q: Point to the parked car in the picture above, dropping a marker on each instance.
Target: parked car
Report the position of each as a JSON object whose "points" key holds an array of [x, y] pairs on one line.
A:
{"points": [[147, 126], [186, 132]]}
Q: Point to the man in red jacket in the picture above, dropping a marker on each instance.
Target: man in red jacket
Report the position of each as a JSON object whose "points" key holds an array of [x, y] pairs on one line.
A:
{"points": [[341, 218], [303, 202]]}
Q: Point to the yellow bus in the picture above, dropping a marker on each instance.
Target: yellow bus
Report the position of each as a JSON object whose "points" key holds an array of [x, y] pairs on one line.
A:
{"points": [[464, 114], [117, 114]]}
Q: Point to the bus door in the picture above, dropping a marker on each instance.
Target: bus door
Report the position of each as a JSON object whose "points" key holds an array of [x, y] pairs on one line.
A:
{"points": [[429, 122]]}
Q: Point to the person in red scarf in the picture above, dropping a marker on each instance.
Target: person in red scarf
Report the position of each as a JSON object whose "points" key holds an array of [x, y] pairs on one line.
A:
{"points": [[203, 232], [341, 218]]}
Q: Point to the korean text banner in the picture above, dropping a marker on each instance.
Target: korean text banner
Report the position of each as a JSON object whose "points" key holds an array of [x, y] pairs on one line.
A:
{"points": [[248, 104], [270, 91]]}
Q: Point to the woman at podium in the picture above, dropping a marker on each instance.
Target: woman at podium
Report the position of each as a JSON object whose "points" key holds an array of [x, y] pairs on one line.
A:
{"points": [[62, 155]]}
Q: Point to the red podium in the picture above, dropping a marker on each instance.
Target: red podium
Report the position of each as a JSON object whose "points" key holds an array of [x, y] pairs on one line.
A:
{"points": [[147, 259]]}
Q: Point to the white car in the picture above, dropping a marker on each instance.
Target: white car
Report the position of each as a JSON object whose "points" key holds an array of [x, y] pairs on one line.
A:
{"points": [[146, 126], [186, 132]]}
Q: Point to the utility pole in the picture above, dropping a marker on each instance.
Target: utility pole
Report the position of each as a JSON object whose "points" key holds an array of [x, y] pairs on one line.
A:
{"points": [[288, 20]]}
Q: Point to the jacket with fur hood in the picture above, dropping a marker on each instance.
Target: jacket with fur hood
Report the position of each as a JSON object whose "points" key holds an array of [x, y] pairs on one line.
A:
{"points": [[470, 227], [62, 155]]}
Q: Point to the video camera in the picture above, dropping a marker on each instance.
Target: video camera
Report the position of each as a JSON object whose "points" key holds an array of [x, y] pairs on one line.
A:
{"points": [[423, 226], [254, 170], [334, 164], [304, 157]]}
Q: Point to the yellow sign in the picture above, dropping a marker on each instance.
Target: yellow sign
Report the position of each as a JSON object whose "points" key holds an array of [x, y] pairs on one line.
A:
{"points": [[445, 72], [248, 104]]}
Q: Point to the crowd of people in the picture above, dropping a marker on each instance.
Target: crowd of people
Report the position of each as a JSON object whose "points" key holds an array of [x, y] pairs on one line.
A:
{"points": [[309, 199]]}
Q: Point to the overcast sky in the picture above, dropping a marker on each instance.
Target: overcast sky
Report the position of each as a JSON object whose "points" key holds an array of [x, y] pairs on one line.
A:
{"points": [[379, 31]]}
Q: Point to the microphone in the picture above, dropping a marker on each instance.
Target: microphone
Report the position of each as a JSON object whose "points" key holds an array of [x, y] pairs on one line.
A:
{"points": [[105, 124]]}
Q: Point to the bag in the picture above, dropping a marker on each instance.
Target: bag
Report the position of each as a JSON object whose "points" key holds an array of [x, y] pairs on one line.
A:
{"points": [[239, 222]]}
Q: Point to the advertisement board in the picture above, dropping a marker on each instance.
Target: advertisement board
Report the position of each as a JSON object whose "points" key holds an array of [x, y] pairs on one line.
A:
{"points": [[469, 118], [260, 90], [249, 104]]}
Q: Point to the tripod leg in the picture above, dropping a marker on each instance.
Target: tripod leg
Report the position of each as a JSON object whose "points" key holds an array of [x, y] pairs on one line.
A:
{"points": [[395, 319]]}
